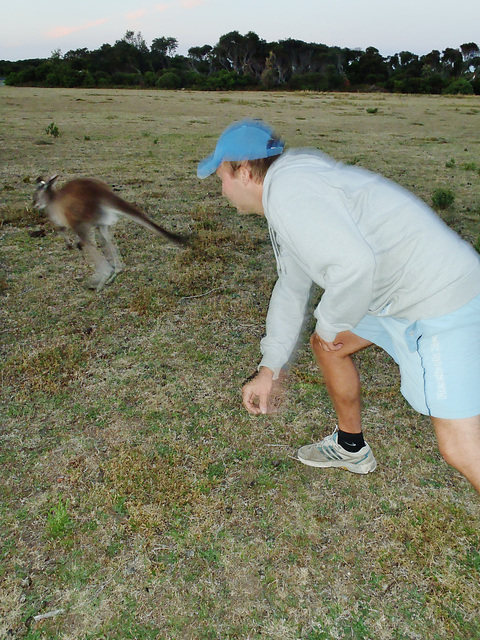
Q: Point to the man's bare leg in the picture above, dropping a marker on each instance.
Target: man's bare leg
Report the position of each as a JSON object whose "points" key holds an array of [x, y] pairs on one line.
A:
{"points": [[341, 377], [459, 443], [347, 448]]}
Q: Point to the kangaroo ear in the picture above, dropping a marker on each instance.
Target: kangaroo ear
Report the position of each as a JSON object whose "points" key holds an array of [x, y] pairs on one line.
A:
{"points": [[44, 184]]}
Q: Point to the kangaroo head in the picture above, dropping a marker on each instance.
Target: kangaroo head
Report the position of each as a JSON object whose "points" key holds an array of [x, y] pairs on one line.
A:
{"points": [[44, 193]]}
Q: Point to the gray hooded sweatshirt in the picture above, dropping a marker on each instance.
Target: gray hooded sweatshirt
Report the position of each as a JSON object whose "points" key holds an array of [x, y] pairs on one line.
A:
{"points": [[374, 248]]}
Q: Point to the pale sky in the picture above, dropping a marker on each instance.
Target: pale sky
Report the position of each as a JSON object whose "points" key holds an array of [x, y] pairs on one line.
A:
{"points": [[31, 29]]}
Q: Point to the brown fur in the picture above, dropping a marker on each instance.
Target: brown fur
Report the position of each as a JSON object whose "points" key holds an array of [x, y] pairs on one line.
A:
{"points": [[84, 205]]}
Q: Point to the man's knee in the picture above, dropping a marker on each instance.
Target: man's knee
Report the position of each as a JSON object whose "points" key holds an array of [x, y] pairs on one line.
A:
{"points": [[351, 343], [315, 343], [322, 355], [458, 440]]}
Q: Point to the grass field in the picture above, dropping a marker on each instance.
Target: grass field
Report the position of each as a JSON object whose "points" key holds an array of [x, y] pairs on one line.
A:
{"points": [[138, 499]]}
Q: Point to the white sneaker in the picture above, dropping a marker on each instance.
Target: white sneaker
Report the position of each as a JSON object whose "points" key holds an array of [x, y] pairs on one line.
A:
{"points": [[328, 453]]}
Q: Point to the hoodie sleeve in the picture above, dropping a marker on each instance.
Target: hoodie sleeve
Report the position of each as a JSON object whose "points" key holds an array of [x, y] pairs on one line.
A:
{"points": [[286, 314]]}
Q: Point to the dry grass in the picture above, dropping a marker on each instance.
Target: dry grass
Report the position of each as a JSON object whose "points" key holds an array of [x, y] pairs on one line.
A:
{"points": [[137, 495]]}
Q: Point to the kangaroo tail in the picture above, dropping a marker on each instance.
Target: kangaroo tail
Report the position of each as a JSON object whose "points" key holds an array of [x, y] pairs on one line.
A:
{"points": [[156, 228], [135, 214]]}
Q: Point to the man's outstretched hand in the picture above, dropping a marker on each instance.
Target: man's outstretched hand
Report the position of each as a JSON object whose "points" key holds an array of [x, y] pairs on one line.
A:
{"points": [[256, 393]]}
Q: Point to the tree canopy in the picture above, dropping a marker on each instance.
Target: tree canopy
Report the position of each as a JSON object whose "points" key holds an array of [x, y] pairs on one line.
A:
{"points": [[249, 62]]}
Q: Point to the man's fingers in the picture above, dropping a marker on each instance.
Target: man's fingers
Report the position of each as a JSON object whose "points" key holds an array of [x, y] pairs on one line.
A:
{"points": [[327, 346], [330, 346], [248, 403], [263, 404], [255, 404], [255, 393]]}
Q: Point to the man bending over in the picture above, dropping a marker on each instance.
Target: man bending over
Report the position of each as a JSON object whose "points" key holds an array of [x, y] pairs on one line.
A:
{"points": [[393, 275]]}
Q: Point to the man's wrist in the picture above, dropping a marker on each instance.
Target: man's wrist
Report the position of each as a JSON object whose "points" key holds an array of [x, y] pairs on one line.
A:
{"points": [[275, 372], [266, 372]]}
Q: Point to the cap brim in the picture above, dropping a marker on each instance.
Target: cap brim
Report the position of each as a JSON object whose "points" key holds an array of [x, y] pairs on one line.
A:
{"points": [[208, 166]]}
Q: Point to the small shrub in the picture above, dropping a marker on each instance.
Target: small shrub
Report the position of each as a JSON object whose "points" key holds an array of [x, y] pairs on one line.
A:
{"points": [[168, 80], [372, 110], [52, 130], [459, 86], [442, 198], [450, 163], [59, 522]]}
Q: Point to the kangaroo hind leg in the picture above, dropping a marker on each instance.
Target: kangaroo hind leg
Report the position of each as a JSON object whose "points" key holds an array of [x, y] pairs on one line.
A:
{"points": [[110, 248], [104, 271]]}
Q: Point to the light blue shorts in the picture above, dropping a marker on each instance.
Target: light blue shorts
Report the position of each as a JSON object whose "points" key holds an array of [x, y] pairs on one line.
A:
{"points": [[439, 359]]}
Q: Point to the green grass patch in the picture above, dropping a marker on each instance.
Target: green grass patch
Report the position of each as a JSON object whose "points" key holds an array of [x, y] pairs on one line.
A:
{"points": [[59, 522]]}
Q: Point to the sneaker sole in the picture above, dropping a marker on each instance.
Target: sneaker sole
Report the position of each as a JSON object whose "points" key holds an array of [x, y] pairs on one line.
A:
{"points": [[361, 469]]}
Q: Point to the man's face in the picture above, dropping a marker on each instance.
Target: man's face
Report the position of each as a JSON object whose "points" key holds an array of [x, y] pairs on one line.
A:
{"points": [[237, 189]]}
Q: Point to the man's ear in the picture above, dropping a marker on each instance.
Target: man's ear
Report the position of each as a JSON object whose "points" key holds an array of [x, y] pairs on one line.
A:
{"points": [[245, 173]]}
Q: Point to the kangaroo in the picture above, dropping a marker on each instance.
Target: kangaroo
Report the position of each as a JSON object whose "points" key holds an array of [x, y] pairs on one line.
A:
{"points": [[84, 205]]}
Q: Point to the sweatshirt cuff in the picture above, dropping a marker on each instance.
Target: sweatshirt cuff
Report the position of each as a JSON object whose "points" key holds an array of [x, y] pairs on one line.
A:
{"points": [[328, 336], [276, 370]]}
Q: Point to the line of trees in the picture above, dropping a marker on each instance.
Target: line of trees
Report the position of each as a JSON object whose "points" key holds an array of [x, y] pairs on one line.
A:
{"points": [[248, 62]]}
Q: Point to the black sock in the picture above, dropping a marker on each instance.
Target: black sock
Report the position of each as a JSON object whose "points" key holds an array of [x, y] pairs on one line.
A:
{"points": [[352, 442]]}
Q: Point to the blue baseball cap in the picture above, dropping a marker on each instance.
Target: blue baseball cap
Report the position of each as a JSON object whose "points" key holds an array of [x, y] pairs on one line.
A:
{"points": [[244, 140]]}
